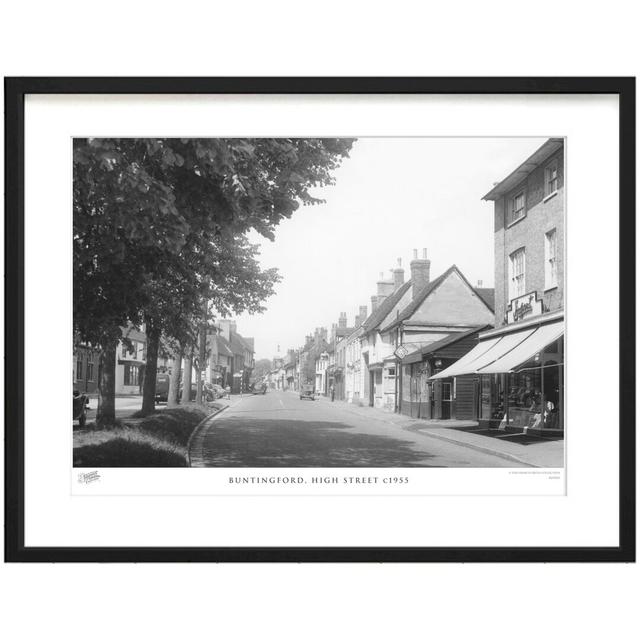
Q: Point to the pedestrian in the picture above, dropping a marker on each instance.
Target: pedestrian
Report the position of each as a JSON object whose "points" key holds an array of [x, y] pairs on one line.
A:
{"points": [[333, 393]]}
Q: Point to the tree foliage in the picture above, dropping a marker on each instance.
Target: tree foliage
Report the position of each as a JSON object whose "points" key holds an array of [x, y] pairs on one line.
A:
{"points": [[159, 225]]}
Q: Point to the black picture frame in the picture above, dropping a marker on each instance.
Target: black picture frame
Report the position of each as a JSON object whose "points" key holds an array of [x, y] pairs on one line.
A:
{"points": [[15, 91]]}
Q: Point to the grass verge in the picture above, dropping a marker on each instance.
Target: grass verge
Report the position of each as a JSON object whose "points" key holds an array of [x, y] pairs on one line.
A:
{"points": [[159, 440]]}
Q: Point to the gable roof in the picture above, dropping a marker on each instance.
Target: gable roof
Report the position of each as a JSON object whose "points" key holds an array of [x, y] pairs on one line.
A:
{"points": [[427, 290], [377, 316]]}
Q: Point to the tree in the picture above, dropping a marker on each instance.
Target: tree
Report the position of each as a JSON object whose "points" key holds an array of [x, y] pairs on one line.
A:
{"points": [[262, 368], [146, 208]]}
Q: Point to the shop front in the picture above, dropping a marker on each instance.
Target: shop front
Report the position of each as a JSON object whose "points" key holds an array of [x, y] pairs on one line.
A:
{"points": [[428, 395], [520, 372]]}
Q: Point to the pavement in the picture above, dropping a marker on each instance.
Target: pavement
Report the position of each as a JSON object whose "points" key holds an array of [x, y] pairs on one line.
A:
{"points": [[280, 430], [531, 450]]}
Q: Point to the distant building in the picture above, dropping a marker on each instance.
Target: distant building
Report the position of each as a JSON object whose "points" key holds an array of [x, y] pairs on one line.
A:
{"points": [[243, 360], [131, 361], [85, 368], [519, 365]]}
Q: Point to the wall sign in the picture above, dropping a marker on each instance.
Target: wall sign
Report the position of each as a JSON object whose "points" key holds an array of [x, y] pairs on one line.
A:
{"points": [[525, 306]]}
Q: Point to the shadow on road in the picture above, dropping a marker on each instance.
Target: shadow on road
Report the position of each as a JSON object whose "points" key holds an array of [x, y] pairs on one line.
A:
{"points": [[290, 443]]}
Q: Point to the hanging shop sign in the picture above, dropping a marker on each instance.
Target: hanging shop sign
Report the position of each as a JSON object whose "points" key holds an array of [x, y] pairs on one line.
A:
{"points": [[401, 352], [525, 306]]}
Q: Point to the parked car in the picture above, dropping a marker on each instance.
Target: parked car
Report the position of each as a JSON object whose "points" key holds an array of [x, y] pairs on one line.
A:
{"points": [[218, 391], [80, 404], [208, 392], [259, 387], [307, 391], [162, 387]]}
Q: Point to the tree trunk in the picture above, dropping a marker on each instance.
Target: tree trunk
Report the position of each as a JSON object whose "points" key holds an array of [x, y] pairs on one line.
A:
{"points": [[151, 369], [186, 381], [174, 380], [106, 414], [202, 355]]}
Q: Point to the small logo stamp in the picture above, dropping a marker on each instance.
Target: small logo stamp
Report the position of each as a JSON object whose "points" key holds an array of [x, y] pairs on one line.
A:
{"points": [[87, 478]]}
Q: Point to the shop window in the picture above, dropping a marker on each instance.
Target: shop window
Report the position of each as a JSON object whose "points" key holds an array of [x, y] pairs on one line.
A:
{"points": [[517, 274], [553, 385], [517, 207], [525, 396], [492, 397], [550, 260], [131, 375], [406, 382]]}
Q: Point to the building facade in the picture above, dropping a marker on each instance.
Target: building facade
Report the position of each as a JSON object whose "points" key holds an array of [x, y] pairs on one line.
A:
{"points": [[519, 365], [428, 332]]}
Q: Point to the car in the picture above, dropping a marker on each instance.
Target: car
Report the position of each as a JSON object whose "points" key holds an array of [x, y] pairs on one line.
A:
{"points": [[307, 391], [259, 387], [218, 391], [162, 387], [80, 404]]}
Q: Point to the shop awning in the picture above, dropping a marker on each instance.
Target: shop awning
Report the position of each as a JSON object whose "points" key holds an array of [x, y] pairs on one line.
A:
{"points": [[485, 353], [542, 337]]}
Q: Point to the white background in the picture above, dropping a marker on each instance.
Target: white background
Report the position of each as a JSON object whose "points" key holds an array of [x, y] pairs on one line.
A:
{"points": [[318, 601], [54, 518]]}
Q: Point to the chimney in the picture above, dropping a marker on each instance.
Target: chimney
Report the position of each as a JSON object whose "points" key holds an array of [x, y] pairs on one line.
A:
{"points": [[479, 285], [419, 271], [398, 275], [361, 315], [374, 303], [385, 288], [342, 320]]}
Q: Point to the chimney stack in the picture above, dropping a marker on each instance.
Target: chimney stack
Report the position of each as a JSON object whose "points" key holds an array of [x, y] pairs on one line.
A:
{"points": [[385, 288], [479, 284], [342, 320], [419, 271], [374, 303], [398, 275]]}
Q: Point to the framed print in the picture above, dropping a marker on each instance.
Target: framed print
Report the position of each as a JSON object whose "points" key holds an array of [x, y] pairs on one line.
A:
{"points": [[320, 319]]}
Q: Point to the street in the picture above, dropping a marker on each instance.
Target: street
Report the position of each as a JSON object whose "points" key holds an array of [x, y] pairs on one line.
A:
{"points": [[280, 430]]}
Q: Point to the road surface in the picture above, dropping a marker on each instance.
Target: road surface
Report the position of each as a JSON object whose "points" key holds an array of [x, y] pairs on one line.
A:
{"points": [[280, 430]]}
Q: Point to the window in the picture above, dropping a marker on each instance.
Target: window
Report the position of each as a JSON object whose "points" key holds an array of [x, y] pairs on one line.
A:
{"points": [[550, 260], [131, 375], [90, 377], [517, 207], [516, 274], [79, 367], [551, 178]]}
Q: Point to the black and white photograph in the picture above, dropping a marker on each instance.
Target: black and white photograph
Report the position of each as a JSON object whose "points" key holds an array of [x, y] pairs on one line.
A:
{"points": [[352, 302]]}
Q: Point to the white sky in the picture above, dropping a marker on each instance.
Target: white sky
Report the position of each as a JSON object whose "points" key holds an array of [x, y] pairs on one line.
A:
{"points": [[391, 196]]}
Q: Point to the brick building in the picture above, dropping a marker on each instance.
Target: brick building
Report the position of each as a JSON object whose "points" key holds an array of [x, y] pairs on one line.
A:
{"points": [[519, 366]]}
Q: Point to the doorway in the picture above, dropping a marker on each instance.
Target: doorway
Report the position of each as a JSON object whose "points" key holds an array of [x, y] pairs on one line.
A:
{"points": [[447, 399]]}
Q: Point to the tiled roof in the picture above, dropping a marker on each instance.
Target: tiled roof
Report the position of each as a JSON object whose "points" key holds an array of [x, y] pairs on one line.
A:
{"points": [[410, 309], [432, 347], [239, 344], [377, 316], [488, 295], [222, 344]]}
